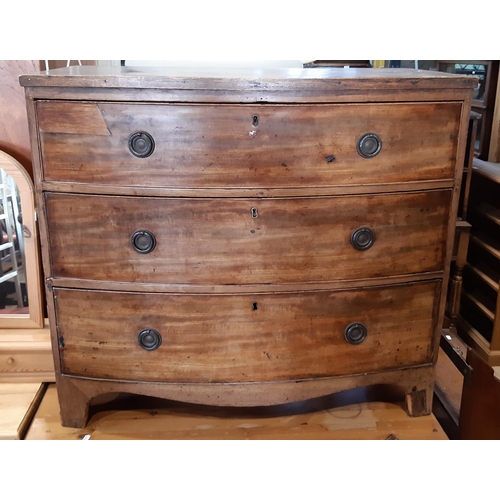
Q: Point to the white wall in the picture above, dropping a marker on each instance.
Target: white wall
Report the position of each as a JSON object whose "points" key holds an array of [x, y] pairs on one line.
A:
{"points": [[213, 63]]}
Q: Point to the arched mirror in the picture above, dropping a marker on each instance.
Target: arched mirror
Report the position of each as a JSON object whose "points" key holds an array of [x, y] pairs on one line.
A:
{"points": [[20, 291]]}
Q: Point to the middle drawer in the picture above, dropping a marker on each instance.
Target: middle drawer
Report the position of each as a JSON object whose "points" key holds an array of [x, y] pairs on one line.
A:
{"points": [[246, 241]]}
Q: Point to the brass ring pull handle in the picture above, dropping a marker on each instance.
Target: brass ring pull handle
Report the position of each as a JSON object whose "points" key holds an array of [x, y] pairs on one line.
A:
{"points": [[141, 144], [355, 333], [363, 238], [143, 241], [149, 339], [369, 145]]}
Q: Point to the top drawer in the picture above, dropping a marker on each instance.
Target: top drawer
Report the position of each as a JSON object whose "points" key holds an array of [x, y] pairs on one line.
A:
{"points": [[247, 146]]}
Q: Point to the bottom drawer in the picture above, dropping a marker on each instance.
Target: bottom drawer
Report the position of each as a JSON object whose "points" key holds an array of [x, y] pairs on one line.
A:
{"points": [[244, 338]]}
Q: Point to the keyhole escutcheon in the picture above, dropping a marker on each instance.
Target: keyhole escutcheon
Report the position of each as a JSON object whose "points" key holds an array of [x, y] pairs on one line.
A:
{"points": [[254, 213]]}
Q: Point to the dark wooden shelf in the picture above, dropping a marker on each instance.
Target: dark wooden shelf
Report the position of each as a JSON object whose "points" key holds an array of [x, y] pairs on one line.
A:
{"points": [[466, 330], [486, 274], [479, 325], [492, 213], [488, 243], [487, 169], [481, 302], [476, 317]]}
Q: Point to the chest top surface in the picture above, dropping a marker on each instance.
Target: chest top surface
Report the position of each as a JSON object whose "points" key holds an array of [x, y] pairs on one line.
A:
{"points": [[244, 79]]}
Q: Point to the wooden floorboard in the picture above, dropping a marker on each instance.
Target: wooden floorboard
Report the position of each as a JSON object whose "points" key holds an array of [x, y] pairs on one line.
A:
{"points": [[18, 403], [361, 414]]}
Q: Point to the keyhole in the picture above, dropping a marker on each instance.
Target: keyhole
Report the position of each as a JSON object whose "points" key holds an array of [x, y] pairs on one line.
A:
{"points": [[255, 214], [254, 306], [255, 120]]}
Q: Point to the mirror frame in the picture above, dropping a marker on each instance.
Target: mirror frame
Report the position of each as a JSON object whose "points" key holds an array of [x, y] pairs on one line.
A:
{"points": [[35, 317]]}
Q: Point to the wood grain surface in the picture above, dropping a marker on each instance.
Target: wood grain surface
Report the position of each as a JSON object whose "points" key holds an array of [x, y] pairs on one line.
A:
{"points": [[332, 80], [355, 415], [480, 391], [240, 330], [415, 384], [368, 94], [18, 403], [26, 355], [218, 242], [214, 146], [290, 192], [266, 337]]}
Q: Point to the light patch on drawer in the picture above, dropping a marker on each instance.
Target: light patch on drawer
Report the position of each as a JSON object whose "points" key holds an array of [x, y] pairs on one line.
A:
{"points": [[71, 118]]}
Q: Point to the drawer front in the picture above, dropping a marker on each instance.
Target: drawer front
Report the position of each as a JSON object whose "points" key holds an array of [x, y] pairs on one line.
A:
{"points": [[266, 146], [244, 338], [245, 241]]}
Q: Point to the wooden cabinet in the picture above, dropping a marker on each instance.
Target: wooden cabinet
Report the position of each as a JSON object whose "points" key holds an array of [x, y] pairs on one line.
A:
{"points": [[463, 227], [483, 97], [479, 323], [218, 237]]}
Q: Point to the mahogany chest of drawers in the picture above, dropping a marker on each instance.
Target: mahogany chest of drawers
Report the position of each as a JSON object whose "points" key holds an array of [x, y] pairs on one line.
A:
{"points": [[245, 237]]}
